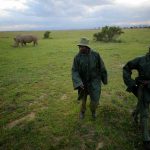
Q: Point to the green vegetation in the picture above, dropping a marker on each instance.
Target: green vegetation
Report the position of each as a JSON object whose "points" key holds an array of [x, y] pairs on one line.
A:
{"points": [[47, 34], [38, 106], [108, 34]]}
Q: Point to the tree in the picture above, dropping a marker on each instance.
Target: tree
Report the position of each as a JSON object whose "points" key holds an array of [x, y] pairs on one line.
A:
{"points": [[46, 34], [108, 34]]}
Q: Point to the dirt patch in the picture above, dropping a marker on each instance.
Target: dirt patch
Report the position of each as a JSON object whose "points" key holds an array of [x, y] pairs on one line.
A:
{"points": [[27, 118], [106, 94], [121, 65], [44, 108], [43, 96], [64, 97], [88, 136], [39, 104], [40, 100], [100, 145], [120, 94]]}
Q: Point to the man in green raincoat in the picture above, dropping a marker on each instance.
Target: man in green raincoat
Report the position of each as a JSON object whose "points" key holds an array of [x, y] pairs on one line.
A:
{"points": [[88, 70], [140, 86]]}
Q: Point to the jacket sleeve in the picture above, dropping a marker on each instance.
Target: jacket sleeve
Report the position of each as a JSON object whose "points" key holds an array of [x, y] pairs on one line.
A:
{"points": [[103, 71], [76, 79], [127, 73]]}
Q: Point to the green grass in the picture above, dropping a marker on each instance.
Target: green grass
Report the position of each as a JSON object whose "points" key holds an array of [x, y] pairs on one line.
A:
{"points": [[38, 106]]}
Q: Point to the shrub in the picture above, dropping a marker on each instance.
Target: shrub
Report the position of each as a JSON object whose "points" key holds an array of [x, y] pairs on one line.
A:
{"points": [[108, 34], [47, 34]]}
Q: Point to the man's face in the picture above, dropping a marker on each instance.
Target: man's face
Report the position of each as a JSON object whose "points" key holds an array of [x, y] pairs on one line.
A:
{"points": [[83, 48]]}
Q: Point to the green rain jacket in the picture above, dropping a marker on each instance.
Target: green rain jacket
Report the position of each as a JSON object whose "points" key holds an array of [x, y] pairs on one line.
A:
{"points": [[142, 65], [89, 70]]}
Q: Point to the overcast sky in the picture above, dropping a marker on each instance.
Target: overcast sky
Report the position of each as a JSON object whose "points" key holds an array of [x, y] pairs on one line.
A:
{"points": [[71, 14]]}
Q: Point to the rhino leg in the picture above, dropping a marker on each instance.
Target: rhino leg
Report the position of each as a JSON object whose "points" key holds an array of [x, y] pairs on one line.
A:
{"points": [[24, 43], [35, 42]]}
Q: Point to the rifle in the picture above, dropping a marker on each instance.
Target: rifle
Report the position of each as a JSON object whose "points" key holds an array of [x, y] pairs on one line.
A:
{"points": [[142, 81]]}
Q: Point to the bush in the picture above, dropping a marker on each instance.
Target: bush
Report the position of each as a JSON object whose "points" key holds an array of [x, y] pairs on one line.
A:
{"points": [[108, 34], [47, 34]]}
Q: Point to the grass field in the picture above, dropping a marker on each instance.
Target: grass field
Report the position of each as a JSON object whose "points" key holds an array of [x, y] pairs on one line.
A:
{"points": [[38, 106]]}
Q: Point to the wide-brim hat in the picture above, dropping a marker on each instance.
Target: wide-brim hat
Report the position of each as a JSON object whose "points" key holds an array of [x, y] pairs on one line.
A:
{"points": [[84, 42]]}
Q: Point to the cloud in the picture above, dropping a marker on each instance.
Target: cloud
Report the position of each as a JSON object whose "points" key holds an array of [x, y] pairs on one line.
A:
{"points": [[70, 14], [131, 3], [13, 5]]}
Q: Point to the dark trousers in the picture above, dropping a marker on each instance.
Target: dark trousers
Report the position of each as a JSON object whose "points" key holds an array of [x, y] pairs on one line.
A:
{"points": [[93, 104], [143, 109], [144, 117]]}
